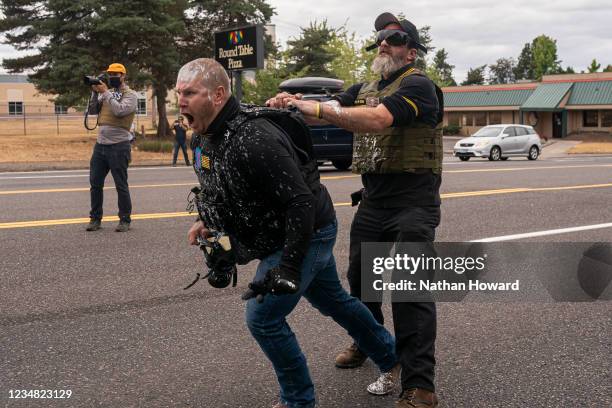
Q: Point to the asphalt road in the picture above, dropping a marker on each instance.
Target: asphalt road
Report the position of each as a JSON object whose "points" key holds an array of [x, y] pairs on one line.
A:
{"points": [[104, 314]]}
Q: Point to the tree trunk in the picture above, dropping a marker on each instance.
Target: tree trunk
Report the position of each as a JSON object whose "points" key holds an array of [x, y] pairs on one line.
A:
{"points": [[163, 127]]}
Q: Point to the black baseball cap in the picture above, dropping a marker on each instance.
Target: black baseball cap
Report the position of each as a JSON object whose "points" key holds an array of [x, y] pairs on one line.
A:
{"points": [[385, 19]]}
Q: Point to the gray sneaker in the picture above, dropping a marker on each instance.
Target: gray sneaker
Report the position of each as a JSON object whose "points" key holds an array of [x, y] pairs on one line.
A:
{"points": [[123, 226], [386, 382], [93, 225]]}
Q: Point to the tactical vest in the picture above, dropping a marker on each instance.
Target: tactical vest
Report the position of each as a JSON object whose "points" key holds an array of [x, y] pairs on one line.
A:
{"points": [[406, 149], [107, 118]]}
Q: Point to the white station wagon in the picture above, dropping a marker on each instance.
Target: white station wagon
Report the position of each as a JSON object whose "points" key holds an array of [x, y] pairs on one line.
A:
{"points": [[497, 142]]}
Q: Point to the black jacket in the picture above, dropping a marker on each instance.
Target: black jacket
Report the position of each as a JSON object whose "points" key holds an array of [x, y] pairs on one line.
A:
{"points": [[254, 189]]}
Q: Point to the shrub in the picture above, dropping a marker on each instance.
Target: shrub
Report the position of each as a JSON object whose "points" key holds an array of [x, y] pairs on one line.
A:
{"points": [[451, 129], [155, 146]]}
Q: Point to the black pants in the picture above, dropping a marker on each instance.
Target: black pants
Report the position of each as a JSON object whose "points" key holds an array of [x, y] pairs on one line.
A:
{"points": [[114, 158], [183, 146], [414, 323]]}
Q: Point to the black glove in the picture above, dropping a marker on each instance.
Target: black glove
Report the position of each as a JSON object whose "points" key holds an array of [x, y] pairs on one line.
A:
{"points": [[277, 281], [356, 197]]}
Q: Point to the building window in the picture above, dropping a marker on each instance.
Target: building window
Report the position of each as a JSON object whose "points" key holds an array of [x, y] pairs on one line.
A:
{"points": [[606, 118], [60, 109], [15, 108], [480, 119], [494, 118], [142, 106], [590, 118], [454, 119]]}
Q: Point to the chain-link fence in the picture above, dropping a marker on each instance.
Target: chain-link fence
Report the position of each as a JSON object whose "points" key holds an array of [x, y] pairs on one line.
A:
{"points": [[31, 119]]}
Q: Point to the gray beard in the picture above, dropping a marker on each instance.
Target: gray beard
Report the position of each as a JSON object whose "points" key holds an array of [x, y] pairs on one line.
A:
{"points": [[386, 64]]}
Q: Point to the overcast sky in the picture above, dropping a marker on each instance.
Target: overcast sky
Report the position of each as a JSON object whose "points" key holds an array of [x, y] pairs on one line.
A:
{"points": [[473, 32]]}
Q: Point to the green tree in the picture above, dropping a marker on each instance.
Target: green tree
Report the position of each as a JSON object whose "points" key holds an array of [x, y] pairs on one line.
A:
{"points": [[265, 86], [443, 70], [544, 51], [524, 67], [151, 37], [608, 68], [346, 51], [475, 76], [309, 52], [426, 40], [502, 72], [78, 38], [594, 67], [568, 70]]}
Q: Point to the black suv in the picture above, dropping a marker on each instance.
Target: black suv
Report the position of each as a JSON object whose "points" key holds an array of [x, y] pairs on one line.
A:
{"points": [[330, 143]]}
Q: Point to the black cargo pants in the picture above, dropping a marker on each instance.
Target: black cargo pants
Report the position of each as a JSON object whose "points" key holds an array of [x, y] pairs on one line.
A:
{"points": [[114, 158], [414, 323]]}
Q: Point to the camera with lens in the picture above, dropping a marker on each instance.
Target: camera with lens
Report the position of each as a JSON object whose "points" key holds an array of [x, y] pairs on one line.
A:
{"points": [[90, 80], [219, 260]]}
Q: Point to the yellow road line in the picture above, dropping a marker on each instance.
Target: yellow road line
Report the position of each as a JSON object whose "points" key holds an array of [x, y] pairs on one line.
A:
{"points": [[66, 221], [81, 189], [84, 189]]}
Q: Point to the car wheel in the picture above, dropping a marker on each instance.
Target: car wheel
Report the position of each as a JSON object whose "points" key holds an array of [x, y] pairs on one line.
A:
{"points": [[503, 158], [495, 153], [463, 158], [533, 153], [341, 164]]}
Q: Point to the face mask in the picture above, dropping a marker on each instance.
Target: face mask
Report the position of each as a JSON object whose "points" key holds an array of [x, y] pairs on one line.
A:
{"points": [[114, 82]]}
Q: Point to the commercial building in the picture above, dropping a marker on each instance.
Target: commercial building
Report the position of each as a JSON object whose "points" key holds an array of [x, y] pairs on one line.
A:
{"points": [[557, 106]]}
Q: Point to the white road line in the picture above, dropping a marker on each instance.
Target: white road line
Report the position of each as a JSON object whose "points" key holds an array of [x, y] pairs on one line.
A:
{"points": [[544, 233], [44, 177], [87, 170]]}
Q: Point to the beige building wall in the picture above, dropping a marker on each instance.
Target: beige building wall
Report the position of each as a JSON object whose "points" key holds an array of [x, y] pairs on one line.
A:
{"points": [[37, 104], [544, 126], [576, 122]]}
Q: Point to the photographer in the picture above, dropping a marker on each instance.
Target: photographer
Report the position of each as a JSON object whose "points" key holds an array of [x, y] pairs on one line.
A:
{"points": [[180, 134], [115, 104], [264, 192]]}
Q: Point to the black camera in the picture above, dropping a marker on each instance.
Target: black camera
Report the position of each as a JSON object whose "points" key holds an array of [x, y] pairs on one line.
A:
{"points": [[219, 260], [90, 80]]}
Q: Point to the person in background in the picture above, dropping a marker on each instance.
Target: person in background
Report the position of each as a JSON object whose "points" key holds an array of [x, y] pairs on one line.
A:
{"points": [[115, 104], [180, 133]]}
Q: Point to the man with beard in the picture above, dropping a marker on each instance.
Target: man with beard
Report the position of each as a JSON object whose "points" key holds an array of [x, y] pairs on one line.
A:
{"points": [[398, 152], [264, 192]]}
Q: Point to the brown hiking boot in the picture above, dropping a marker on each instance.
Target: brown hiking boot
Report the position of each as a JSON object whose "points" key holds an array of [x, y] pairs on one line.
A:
{"points": [[417, 398], [352, 357], [123, 226], [94, 225]]}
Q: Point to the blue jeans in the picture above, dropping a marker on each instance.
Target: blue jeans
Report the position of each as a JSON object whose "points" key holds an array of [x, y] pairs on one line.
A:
{"points": [[183, 146], [321, 287]]}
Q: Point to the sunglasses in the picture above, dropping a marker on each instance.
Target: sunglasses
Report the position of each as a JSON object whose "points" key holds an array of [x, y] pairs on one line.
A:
{"points": [[392, 37]]}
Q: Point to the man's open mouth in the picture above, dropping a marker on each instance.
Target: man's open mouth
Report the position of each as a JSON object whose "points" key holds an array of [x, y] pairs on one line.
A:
{"points": [[188, 117]]}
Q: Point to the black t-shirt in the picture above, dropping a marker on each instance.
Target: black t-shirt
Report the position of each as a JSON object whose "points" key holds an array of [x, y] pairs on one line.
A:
{"points": [[414, 101], [180, 132]]}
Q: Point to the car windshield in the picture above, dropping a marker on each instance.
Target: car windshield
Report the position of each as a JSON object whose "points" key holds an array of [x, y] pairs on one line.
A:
{"points": [[488, 132]]}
